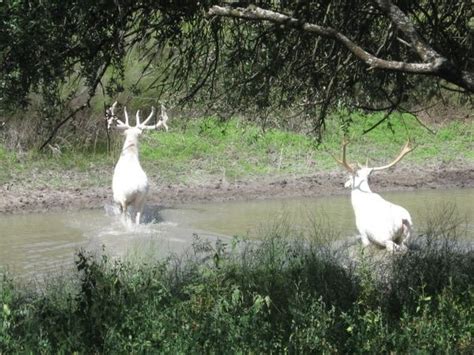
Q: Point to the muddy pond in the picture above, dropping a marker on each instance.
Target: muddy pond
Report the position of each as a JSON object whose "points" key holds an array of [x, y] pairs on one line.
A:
{"points": [[32, 245]]}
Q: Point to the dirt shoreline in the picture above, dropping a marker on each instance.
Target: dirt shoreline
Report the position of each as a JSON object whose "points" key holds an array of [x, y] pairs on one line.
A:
{"points": [[19, 198]]}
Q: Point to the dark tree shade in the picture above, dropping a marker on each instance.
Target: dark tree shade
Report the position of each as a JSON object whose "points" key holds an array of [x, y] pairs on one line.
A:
{"points": [[304, 56]]}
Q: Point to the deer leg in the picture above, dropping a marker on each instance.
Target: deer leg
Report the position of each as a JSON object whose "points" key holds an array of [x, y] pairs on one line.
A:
{"points": [[365, 240], [123, 209], [139, 208], [391, 246], [406, 232], [138, 216]]}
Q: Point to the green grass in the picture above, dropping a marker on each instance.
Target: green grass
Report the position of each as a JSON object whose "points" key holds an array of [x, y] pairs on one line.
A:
{"points": [[207, 149], [68, 170], [211, 148], [231, 148], [282, 295], [446, 142]]}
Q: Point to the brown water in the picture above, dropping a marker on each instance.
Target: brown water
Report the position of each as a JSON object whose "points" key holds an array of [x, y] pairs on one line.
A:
{"points": [[246, 218], [37, 244]]}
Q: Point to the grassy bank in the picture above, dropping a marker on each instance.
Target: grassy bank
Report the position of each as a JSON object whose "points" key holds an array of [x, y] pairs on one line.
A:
{"points": [[204, 149], [284, 295]]}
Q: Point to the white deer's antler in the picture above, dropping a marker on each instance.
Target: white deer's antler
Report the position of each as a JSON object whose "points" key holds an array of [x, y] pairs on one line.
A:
{"points": [[152, 113], [113, 120], [110, 115], [405, 150], [144, 125], [126, 115], [343, 161], [163, 118]]}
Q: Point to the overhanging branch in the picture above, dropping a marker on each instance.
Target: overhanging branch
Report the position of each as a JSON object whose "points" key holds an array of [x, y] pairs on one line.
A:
{"points": [[433, 63], [92, 90], [256, 13], [404, 24]]}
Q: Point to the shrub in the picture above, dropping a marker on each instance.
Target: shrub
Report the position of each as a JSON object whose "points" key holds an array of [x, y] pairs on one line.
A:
{"points": [[278, 295]]}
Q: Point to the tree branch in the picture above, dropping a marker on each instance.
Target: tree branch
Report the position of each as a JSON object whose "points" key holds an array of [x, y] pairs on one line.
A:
{"points": [[92, 90], [404, 24], [60, 124], [444, 69], [434, 64]]}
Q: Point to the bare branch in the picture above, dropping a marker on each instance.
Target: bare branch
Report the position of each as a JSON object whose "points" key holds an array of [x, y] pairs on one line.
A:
{"points": [[256, 13], [60, 124], [434, 64], [404, 24]]}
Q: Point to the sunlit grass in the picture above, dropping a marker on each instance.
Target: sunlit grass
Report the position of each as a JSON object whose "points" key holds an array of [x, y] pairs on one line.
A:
{"points": [[204, 149]]}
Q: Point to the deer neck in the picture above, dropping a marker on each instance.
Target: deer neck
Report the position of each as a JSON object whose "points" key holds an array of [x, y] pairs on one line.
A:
{"points": [[360, 195], [130, 147], [362, 187]]}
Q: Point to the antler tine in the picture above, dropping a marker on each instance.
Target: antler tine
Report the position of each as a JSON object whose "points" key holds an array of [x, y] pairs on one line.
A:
{"points": [[405, 150], [152, 113], [360, 166], [110, 116], [114, 118], [125, 113], [163, 118], [343, 162], [138, 118], [112, 108]]}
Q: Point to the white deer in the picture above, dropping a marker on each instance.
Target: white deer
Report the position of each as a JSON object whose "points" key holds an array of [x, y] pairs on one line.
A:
{"points": [[379, 221], [130, 183]]}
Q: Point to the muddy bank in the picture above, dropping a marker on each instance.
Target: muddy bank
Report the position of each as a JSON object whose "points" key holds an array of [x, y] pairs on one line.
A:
{"points": [[21, 198]]}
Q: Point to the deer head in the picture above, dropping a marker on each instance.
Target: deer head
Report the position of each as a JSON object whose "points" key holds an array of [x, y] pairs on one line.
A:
{"points": [[113, 121], [359, 177]]}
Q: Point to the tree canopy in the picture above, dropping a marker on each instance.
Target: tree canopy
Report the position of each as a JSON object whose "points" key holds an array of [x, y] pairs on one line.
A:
{"points": [[306, 57]]}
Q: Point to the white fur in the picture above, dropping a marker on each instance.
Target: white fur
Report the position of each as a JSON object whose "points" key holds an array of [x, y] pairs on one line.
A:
{"points": [[378, 221], [130, 183]]}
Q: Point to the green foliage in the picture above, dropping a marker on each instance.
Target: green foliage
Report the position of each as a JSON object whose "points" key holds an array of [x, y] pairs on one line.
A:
{"points": [[230, 149], [208, 149], [313, 327], [281, 295], [430, 327], [9, 166], [445, 143], [235, 149], [62, 54], [6, 300]]}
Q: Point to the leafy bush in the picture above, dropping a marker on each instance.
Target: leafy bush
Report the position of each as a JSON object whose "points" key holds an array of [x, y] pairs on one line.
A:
{"points": [[278, 295]]}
